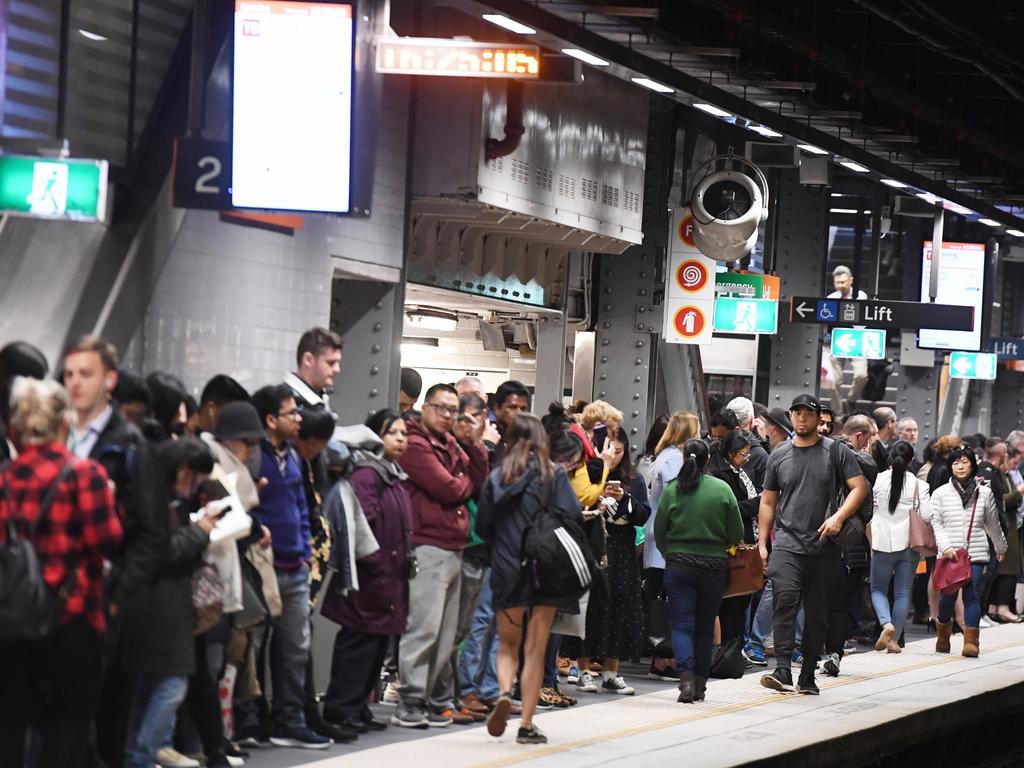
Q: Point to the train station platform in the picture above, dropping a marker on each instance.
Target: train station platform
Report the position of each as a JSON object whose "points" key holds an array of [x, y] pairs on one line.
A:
{"points": [[880, 704]]}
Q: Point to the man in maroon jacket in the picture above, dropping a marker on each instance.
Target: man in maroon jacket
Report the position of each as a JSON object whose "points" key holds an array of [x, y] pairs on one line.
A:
{"points": [[444, 470]]}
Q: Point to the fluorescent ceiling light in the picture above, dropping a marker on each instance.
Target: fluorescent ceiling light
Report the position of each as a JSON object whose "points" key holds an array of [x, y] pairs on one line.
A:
{"points": [[842, 210], [853, 166], [433, 321], [894, 184], [957, 208], [765, 131], [648, 83], [711, 109], [92, 36], [839, 194], [989, 222], [510, 24], [928, 197], [1015, 232], [812, 149], [586, 58]]}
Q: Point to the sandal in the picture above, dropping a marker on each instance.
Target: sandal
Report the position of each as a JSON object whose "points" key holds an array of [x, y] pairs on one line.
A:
{"points": [[499, 715]]}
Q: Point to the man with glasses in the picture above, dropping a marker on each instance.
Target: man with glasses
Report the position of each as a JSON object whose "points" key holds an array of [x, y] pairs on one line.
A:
{"points": [[282, 509], [446, 464]]}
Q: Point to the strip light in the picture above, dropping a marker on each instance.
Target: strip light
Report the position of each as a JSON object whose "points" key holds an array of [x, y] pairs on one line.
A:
{"points": [[711, 109], [854, 166], [510, 24], [586, 58], [765, 131], [812, 149], [648, 83], [1015, 232], [990, 222], [894, 184]]}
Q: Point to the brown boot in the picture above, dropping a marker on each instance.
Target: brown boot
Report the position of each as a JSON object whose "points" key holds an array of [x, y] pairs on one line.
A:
{"points": [[971, 642], [942, 634]]}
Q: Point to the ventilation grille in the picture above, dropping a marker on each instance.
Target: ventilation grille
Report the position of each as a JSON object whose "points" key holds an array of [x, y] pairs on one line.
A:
{"points": [[543, 178], [497, 165], [631, 201], [610, 195], [567, 186], [520, 171], [590, 190]]}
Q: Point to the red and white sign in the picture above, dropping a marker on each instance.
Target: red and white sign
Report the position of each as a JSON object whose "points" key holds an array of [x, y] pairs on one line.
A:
{"points": [[682, 232], [688, 321]]}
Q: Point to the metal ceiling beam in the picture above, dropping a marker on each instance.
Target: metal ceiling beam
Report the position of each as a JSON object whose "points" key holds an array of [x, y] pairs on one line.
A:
{"points": [[633, 11], [556, 32]]}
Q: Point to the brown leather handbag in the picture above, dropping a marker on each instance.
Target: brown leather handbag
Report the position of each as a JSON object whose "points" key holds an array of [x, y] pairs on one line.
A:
{"points": [[746, 571]]}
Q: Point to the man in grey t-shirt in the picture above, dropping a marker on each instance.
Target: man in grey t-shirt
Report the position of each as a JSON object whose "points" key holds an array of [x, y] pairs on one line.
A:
{"points": [[800, 486]]}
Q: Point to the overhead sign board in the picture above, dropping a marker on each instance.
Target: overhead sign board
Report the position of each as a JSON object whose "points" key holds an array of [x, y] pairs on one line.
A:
{"points": [[53, 188], [292, 106], [1008, 348], [866, 343], [972, 365], [456, 58], [961, 281], [201, 174], [746, 315], [880, 314]]}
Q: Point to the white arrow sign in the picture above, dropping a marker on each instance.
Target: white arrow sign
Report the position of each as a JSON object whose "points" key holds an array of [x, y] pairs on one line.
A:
{"points": [[845, 343], [962, 365], [803, 310]]}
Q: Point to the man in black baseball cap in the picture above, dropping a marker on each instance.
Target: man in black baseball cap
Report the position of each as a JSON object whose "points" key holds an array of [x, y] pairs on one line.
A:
{"points": [[798, 500]]}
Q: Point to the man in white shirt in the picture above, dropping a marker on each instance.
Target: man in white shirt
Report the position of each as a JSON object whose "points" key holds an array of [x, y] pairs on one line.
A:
{"points": [[842, 281]]}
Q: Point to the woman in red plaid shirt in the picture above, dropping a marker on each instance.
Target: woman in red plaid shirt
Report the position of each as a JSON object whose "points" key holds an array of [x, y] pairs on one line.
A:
{"points": [[52, 685]]}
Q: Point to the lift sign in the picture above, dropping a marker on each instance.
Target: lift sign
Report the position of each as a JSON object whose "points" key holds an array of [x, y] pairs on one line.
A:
{"points": [[455, 58]]}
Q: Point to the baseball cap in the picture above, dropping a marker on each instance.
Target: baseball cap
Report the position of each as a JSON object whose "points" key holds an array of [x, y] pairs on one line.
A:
{"points": [[238, 421], [806, 401], [780, 418]]}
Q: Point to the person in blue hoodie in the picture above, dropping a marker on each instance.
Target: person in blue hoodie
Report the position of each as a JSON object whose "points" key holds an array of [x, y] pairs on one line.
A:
{"points": [[282, 509]]}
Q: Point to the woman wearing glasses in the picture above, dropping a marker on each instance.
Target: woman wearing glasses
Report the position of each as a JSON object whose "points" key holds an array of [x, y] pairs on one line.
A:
{"points": [[963, 511]]}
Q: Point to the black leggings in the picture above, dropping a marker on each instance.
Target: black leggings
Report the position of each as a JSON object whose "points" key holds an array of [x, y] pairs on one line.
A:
{"points": [[203, 702]]}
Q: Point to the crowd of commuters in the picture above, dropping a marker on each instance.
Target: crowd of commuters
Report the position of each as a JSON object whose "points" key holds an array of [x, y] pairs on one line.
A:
{"points": [[189, 544]]}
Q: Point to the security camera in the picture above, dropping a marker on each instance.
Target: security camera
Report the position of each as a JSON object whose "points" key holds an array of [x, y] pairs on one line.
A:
{"points": [[728, 204]]}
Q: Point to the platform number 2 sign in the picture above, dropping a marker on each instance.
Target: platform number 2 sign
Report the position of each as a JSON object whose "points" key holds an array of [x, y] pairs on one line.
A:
{"points": [[202, 174]]}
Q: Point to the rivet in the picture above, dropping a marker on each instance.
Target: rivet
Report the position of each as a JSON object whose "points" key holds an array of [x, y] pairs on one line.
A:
{"points": [[641, 310], [377, 326], [604, 358], [607, 307], [636, 414], [638, 361], [603, 376], [379, 305], [373, 393], [639, 345], [643, 292], [608, 291], [375, 348], [636, 395], [636, 380], [643, 275], [606, 324], [607, 273], [632, 431], [601, 394], [606, 342], [374, 370]]}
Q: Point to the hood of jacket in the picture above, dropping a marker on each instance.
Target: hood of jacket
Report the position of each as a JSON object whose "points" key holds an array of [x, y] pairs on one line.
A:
{"points": [[506, 494], [346, 441]]}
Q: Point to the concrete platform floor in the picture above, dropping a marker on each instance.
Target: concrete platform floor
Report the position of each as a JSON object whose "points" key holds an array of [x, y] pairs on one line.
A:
{"points": [[879, 702]]}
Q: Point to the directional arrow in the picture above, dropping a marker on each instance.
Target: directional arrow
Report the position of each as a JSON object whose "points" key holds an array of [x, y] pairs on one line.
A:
{"points": [[962, 365], [846, 343], [803, 310]]}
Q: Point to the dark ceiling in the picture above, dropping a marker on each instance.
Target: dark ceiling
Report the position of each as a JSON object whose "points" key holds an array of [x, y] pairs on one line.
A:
{"points": [[945, 84]]}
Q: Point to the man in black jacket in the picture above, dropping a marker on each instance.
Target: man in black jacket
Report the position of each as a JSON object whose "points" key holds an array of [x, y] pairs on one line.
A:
{"points": [[102, 434]]}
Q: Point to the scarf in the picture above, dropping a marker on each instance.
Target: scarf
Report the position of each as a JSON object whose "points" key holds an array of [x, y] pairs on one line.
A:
{"points": [[966, 490]]}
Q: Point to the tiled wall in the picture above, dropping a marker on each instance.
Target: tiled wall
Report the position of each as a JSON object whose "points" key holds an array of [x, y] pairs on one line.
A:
{"points": [[235, 299]]}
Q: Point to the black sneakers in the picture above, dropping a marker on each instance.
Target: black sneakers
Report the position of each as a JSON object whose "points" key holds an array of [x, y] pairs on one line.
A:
{"points": [[807, 686], [531, 735], [780, 680]]}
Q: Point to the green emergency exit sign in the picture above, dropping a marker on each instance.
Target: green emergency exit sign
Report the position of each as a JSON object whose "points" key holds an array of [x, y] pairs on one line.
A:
{"points": [[53, 188], [972, 365], [746, 315], [867, 343]]}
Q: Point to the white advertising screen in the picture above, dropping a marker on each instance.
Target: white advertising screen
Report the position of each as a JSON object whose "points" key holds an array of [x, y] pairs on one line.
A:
{"points": [[961, 282], [292, 106]]}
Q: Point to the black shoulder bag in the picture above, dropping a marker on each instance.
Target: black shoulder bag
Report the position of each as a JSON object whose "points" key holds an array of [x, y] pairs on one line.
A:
{"points": [[853, 530]]}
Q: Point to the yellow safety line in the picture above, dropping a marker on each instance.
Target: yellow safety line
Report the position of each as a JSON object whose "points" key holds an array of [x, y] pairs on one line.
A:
{"points": [[702, 714]]}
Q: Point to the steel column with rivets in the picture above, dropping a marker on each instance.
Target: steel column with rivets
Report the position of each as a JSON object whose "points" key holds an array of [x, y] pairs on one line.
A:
{"points": [[551, 356], [916, 397], [369, 316], [800, 253]]}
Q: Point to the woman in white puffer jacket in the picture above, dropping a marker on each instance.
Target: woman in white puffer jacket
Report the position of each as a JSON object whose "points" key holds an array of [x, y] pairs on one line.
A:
{"points": [[951, 508]]}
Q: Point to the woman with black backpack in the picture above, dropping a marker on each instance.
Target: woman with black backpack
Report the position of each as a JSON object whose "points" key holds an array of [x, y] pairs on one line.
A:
{"points": [[527, 485]]}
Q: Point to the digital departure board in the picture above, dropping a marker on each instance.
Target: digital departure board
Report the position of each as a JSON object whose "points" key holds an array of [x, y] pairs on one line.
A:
{"points": [[292, 106], [456, 58], [961, 281]]}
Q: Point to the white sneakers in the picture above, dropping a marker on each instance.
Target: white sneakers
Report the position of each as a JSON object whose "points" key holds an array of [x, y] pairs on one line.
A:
{"points": [[172, 758], [588, 683]]}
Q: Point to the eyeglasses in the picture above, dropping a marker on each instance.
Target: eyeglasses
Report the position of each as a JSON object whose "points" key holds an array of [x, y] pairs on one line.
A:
{"points": [[255, 443], [743, 455], [294, 414], [443, 410]]}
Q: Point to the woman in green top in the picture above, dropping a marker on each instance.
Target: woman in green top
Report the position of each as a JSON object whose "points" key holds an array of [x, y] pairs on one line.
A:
{"points": [[697, 521]]}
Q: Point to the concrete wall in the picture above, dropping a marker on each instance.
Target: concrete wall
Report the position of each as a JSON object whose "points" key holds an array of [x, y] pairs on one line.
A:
{"points": [[235, 299]]}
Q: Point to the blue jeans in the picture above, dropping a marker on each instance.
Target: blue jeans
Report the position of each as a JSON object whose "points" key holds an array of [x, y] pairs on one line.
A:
{"points": [[156, 702], [972, 608], [884, 565], [762, 625], [479, 649], [289, 649], [694, 596]]}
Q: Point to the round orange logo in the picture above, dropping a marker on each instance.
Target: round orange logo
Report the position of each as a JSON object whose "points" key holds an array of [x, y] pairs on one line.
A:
{"points": [[685, 232], [689, 321], [692, 275]]}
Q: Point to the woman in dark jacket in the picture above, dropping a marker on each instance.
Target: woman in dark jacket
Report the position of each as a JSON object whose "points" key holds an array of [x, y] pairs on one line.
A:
{"points": [[615, 623], [158, 621], [377, 611], [729, 456], [525, 482]]}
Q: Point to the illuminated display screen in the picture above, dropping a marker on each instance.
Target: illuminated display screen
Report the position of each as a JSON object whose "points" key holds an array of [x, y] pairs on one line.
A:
{"points": [[292, 106], [454, 58], [961, 282]]}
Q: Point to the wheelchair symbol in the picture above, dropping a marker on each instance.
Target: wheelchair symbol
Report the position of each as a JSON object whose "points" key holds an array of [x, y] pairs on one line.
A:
{"points": [[827, 310]]}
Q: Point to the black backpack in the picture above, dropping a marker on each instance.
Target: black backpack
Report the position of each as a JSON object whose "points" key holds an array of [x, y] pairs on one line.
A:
{"points": [[29, 609], [557, 556]]}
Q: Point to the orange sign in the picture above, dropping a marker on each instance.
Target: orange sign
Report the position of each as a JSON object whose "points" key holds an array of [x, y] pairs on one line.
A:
{"points": [[689, 321], [456, 58], [685, 232], [692, 275]]}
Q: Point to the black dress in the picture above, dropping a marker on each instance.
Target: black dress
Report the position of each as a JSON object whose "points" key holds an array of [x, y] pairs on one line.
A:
{"points": [[615, 624]]}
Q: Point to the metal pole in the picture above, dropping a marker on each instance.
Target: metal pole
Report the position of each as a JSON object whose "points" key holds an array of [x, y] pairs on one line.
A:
{"points": [[933, 282], [876, 240], [197, 68], [62, 71]]}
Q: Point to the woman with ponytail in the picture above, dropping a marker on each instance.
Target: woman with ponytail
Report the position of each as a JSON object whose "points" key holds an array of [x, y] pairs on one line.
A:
{"points": [[897, 491], [697, 521]]}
